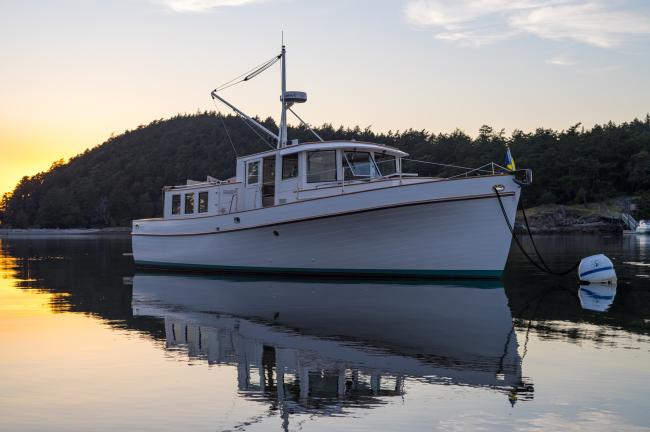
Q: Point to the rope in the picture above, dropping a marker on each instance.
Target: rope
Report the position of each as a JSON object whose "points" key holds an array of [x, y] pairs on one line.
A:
{"points": [[530, 235], [545, 268], [228, 134]]}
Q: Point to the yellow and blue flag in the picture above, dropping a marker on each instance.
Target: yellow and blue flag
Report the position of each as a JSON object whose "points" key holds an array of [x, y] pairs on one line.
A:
{"points": [[510, 162]]}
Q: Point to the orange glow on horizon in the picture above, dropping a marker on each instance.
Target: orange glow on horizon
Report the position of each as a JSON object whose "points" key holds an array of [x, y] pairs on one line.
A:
{"points": [[27, 151]]}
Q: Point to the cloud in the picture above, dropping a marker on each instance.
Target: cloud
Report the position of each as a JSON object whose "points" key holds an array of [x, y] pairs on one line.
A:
{"points": [[473, 38], [202, 5], [589, 23], [480, 22], [453, 15], [561, 60]]}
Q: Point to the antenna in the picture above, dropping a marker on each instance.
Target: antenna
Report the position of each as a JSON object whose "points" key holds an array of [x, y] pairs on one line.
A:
{"points": [[282, 141]]}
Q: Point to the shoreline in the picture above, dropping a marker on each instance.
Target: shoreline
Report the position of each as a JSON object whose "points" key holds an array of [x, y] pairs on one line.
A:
{"points": [[547, 219], [62, 232], [519, 229]]}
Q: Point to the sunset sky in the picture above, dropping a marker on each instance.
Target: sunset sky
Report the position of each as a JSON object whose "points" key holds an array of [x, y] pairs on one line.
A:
{"points": [[74, 72]]}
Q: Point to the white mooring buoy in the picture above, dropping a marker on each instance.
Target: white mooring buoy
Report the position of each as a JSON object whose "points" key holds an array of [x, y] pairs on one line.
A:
{"points": [[597, 269]]}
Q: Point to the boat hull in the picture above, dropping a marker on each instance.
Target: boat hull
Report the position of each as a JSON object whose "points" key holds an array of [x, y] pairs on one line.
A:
{"points": [[453, 237]]}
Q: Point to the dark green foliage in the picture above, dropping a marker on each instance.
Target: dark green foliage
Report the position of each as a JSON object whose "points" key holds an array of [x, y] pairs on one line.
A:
{"points": [[644, 205], [121, 180]]}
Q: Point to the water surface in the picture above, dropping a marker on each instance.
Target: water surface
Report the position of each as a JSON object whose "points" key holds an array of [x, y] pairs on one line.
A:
{"points": [[88, 343]]}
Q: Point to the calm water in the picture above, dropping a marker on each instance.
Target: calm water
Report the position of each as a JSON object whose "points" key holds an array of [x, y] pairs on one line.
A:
{"points": [[89, 344]]}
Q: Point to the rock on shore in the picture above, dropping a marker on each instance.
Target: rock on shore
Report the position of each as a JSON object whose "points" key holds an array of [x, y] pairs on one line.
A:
{"points": [[566, 219]]}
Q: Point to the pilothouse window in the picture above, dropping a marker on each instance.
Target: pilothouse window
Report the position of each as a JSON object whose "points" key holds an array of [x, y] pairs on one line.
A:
{"points": [[359, 165], [387, 164], [253, 172], [189, 203], [176, 204], [203, 202], [321, 166], [290, 166]]}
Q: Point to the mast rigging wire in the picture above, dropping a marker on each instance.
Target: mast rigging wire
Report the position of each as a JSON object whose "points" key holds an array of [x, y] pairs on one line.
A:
{"points": [[232, 144], [249, 74], [228, 135], [256, 132], [307, 125]]}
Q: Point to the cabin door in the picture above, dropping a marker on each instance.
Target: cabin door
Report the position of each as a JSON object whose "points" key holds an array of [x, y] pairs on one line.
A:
{"points": [[268, 181]]}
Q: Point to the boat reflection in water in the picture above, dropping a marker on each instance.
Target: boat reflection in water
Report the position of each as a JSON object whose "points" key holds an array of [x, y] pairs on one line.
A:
{"points": [[320, 346]]}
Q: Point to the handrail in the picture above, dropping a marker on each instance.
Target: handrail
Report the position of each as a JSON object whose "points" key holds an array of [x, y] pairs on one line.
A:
{"points": [[445, 165], [629, 221], [490, 168]]}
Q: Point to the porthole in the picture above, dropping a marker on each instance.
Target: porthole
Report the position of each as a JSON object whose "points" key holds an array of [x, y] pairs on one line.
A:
{"points": [[237, 220], [275, 233]]}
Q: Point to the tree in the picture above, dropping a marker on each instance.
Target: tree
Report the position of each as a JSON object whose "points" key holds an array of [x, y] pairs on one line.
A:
{"points": [[639, 170], [121, 179]]}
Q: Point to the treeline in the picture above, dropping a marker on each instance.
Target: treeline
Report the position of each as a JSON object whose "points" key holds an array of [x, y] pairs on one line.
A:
{"points": [[121, 179]]}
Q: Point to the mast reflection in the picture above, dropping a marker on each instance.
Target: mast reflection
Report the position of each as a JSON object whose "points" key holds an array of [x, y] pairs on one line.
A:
{"points": [[322, 346]]}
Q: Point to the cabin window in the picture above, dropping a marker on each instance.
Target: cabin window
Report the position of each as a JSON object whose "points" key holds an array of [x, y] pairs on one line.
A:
{"points": [[387, 164], [290, 166], [176, 204], [189, 203], [321, 166], [253, 172], [203, 202], [358, 165]]}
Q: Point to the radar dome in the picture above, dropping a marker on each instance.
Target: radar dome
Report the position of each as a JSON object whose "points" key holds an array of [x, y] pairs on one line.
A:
{"points": [[292, 97]]}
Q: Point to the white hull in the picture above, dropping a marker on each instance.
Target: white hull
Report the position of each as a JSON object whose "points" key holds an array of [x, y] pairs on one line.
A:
{"points": [[436, 228]]}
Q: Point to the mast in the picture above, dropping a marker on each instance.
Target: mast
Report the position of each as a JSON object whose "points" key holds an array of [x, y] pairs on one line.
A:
{"points": [[287, 99], [282, 141]]}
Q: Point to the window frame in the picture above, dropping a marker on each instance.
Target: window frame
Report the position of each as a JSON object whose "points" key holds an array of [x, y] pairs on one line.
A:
{"points": [[378, 164], [297, 166], [347, 165], [248, 173], [173, 206], [191, 201], [205, 208], [335, 170]]}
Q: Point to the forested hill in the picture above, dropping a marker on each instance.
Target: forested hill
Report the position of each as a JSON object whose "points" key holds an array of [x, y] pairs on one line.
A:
{"points": [[121, 179]]}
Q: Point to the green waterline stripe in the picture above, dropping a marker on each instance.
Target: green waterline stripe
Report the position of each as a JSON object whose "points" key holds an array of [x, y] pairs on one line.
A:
{"points": [[327, 271]]}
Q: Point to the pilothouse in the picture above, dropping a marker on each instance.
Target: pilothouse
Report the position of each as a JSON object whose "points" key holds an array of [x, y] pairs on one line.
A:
{"points": [[332, 207]]}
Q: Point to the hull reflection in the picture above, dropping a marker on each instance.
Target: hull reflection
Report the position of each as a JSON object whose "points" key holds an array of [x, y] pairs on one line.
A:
{"points": [[352, 341]]}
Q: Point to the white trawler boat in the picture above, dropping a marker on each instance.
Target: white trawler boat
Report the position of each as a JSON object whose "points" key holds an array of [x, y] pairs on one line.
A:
{"points": [[333, 207]]}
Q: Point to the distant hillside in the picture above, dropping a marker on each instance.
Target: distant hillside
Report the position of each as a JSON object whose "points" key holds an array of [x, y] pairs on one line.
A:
{"points": [[121, 179]]}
